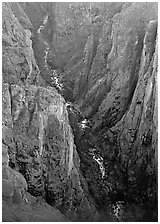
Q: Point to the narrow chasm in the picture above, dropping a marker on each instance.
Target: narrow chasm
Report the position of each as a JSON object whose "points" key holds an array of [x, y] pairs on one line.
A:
{"points": [[108, 123]]}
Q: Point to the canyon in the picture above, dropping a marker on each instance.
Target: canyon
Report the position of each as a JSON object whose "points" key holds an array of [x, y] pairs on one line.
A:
{"points": [[79, 111]]}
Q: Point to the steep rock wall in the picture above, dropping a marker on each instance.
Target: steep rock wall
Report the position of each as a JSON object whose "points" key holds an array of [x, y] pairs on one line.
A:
{"points": [[17, 204], [41, 147], [130, 146], [138, 134], [19, 66], [37, 134], [118, 93], [114, 72], [94, 59], [112, 76]]}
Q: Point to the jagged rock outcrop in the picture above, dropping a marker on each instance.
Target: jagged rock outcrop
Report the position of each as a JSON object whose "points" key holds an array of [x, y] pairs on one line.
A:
{"points": [[130, 146], [37, 136], [95, 54], [19, 66], [137, 129], [41, 147], [81, 83], [113, 74], [17, 204]]}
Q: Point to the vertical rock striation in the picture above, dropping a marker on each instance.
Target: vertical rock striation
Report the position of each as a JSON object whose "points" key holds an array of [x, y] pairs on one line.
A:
{"points": [[17, 204], [44, 150], [37, 135], [116, 90], [19, 66], [132, 141], [138, 135]]}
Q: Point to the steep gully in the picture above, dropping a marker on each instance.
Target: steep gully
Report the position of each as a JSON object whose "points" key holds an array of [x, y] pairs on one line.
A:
{"points": [[83, 124], [86, 144]]}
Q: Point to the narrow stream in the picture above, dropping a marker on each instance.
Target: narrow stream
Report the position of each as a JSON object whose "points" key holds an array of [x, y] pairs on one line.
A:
{"points": [[43, 24], [55, 80], [120, 210], [84, 124], [116, 208], [99, 160]]}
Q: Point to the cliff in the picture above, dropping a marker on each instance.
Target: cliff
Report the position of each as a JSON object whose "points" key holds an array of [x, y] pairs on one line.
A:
{"points": [[17, 204], [131, 143], [122, 104], [114, 86], [80, 110], [41, 158]]}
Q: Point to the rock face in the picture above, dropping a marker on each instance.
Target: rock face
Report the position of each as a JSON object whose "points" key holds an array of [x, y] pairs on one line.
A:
{"points": [[137, 138], [80, 84], [114, 71], [19, 66], [105, 56], [114, 85], [17, 204], [42, 147], [65, 27], [38, 138], [123, 107]]}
